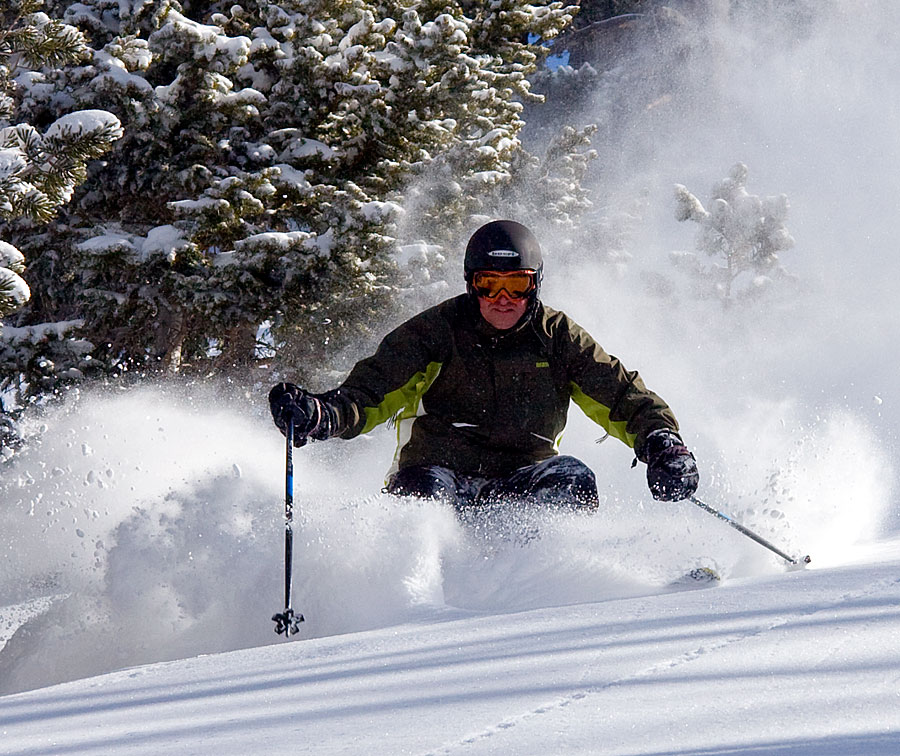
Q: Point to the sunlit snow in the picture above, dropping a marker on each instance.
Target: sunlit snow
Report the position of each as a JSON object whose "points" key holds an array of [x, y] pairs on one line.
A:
{"points": [[142, 537]]}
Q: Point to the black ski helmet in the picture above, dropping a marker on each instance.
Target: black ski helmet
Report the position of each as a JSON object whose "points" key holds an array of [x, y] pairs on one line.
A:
{"points": [[503, 245]]}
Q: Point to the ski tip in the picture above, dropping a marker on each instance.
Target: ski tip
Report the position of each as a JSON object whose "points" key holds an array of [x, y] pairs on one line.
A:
{"points": [[699, 577], [704, 575]]}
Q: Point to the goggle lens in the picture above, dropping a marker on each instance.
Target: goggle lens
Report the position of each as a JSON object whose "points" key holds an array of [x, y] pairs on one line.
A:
{"points": [[517, 283]]}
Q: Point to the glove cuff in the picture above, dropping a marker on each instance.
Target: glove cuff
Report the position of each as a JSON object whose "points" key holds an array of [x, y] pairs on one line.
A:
{"points": [[326, 420]]}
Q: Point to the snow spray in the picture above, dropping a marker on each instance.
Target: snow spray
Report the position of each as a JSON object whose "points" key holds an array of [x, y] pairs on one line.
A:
{"points": [[147, 525]]}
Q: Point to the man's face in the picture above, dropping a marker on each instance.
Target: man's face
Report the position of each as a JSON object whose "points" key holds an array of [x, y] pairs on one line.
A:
{"points": [[502, 312], [503, 297]]}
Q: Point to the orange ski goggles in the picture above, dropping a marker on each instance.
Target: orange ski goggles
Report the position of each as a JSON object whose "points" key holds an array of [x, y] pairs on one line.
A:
{"points": [[516, 283]]}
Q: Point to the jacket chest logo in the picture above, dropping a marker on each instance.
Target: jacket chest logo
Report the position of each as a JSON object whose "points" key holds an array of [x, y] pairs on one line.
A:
{"points": [[520, 368]]}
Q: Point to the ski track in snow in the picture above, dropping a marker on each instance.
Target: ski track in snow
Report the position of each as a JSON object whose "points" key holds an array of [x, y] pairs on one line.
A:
{"points": [[799, 663], [576, 696]]}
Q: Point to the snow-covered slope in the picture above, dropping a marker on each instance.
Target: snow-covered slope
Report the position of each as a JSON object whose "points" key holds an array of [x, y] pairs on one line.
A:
{"points": [[803, 663], [421, 635], [143, 533]]}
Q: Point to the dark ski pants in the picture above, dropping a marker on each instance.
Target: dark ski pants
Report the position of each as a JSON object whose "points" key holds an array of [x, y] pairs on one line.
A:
{"points": [[561, 481]]}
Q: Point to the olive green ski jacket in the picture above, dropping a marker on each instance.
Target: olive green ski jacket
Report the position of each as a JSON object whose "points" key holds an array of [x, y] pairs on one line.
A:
{"points": [[485, 402]]}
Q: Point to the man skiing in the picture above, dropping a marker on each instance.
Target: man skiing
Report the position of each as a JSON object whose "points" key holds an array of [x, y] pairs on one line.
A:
{"points": [[479, 387]]}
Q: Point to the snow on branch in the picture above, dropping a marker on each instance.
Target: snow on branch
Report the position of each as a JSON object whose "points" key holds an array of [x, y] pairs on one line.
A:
{"points": [[38, 173], [746, 232]]}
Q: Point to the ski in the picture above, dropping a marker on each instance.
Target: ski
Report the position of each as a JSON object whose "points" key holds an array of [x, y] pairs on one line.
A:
{"points": [[699, 577]]}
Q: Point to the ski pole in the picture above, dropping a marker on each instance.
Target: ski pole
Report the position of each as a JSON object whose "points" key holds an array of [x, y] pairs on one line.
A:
{"points": [[749, 533], [286, 622]]}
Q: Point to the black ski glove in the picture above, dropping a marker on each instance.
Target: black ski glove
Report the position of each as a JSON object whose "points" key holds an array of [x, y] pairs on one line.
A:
{"points": [[312, 418], [671, 469]]}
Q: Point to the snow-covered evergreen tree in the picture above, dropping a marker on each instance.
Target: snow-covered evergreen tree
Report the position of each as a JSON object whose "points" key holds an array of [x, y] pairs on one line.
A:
{"points": [[273, 163], [40, 166], [743, 231], [39, 171], [392, 97]]}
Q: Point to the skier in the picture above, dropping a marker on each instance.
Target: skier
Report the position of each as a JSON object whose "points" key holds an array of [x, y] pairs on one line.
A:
{"points": [[479, 387]]}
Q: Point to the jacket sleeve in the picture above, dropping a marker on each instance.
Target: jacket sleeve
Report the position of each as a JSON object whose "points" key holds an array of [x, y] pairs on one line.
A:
{"points": [[392, 380], [610, 395]]}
